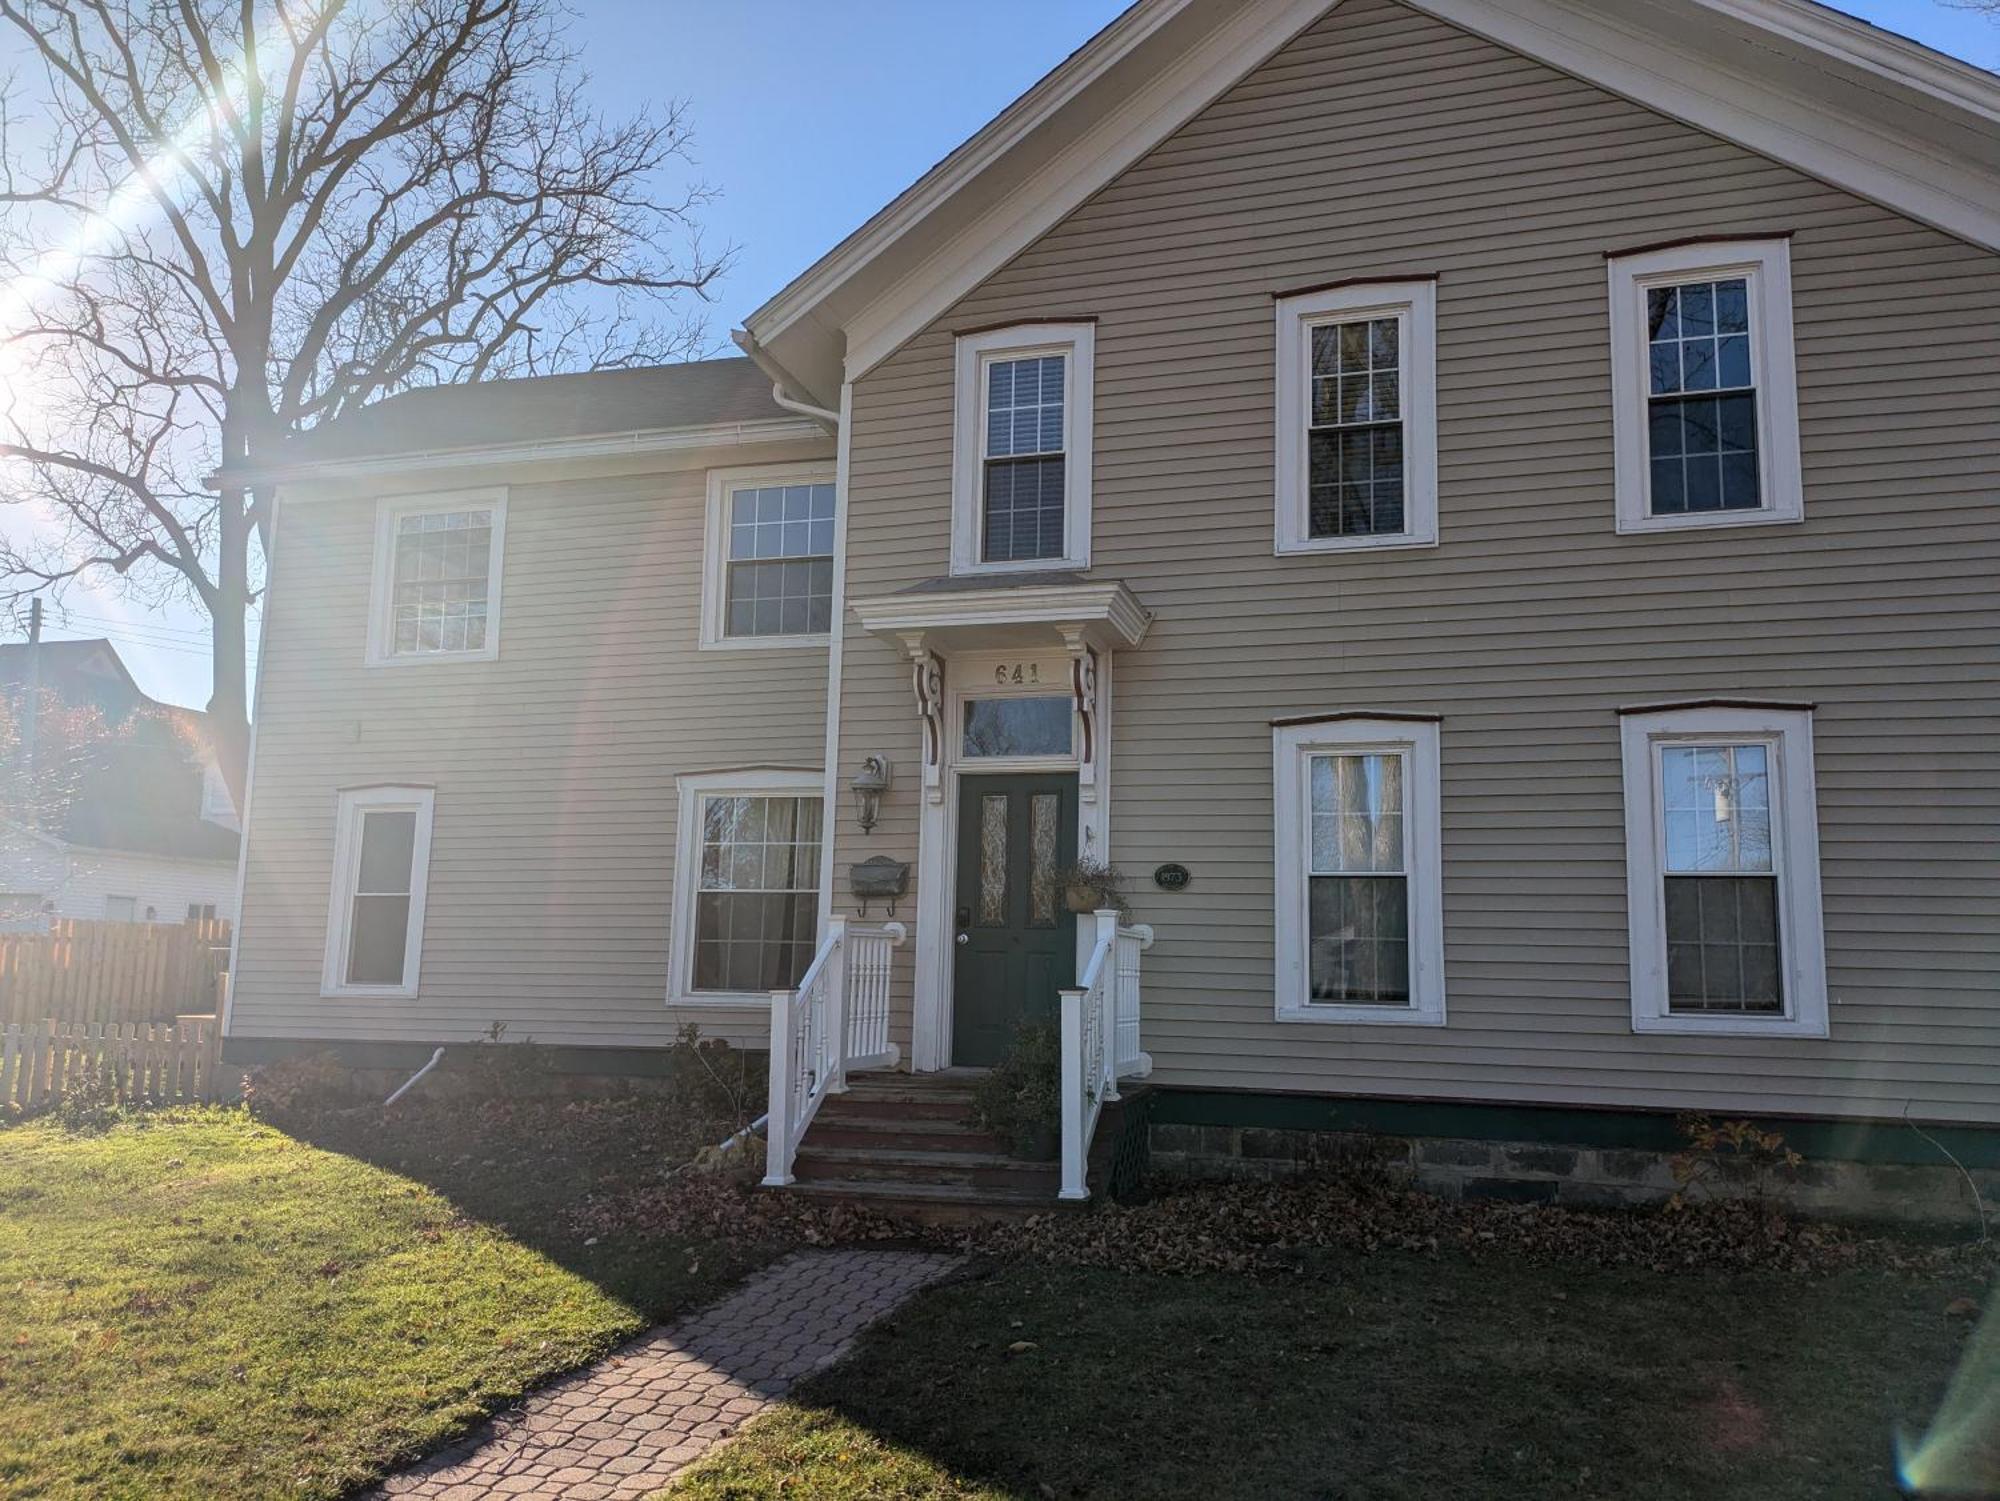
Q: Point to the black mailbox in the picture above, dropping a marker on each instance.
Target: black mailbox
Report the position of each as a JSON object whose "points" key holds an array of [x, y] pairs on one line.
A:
{"points": [[879, 878]]}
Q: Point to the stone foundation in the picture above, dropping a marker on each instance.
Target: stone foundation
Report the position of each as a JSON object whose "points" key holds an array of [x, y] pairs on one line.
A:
{"points": [[1580, 1177]]}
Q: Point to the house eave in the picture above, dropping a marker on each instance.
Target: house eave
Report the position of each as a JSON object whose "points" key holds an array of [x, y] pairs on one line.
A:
{"points": [[1853, 105], [659, 441]]}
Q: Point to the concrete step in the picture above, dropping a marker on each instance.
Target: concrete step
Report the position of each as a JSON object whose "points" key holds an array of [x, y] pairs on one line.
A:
{"points": [[816, 1162]]}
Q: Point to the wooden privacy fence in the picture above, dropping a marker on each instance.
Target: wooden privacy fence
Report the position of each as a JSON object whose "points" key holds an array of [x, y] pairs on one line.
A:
{"points": [[137, 1062], [111, 971]]}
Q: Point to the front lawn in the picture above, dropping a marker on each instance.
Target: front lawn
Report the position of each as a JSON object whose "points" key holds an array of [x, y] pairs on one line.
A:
{"points": [[195, 1305], [1354, 1376]]}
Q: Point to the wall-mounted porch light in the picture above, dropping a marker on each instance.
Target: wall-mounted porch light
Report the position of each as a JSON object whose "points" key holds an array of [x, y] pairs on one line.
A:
{"points": [[869, 785]]}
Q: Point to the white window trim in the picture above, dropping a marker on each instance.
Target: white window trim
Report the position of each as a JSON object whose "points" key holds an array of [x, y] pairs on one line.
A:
{"points": [[1794, 843], [1293, 746], [381, 628], [352, 804], [715, 552], [1413, 304], [1767, 266], [975, 353], [693, 788]]}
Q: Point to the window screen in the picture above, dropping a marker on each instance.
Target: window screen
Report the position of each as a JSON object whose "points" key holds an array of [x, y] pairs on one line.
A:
{"points": [[1025, 464], [1354, 444], [1721, 883], [1357, 889], [780, 566], [1702, 412], [757, 907]]}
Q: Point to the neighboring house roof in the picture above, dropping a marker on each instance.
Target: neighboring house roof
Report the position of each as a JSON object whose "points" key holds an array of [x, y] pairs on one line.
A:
{"points": [[542, 410], [139, 790], [1843, 101]]}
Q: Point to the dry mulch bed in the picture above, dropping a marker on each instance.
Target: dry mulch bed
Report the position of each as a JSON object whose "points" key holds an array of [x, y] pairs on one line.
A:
{"points": [[1188, 1227]]}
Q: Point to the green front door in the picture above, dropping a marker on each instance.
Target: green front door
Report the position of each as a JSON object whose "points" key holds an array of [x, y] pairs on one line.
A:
{"points": [[1015, 938]]}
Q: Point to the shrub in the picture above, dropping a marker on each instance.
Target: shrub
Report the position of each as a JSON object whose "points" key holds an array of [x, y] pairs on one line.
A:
{"points": [[295, 1092], [1726, 1150], [89, 1103], [1021, 1099], [496, 1069]]}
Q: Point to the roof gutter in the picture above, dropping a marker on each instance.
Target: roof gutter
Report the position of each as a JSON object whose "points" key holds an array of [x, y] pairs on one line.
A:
{"points": [[780, 379]]}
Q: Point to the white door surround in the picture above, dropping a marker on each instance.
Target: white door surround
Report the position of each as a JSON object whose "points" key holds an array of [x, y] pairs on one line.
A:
{"points": [[1009, 642]]}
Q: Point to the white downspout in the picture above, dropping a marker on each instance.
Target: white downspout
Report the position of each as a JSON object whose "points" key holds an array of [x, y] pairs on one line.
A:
{"points": [[804, 409]]}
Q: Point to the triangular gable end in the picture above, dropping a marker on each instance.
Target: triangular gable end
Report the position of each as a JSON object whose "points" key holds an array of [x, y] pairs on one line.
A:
{"points": [[1852, 105]]}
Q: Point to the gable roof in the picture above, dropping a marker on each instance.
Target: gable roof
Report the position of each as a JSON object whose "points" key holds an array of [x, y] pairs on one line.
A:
{"points": [[1843, 101], [543, 409]]}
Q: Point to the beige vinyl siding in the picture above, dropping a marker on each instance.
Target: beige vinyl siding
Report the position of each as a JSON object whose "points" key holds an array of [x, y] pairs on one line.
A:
{"points": [[554, 842], [1383, 143]]}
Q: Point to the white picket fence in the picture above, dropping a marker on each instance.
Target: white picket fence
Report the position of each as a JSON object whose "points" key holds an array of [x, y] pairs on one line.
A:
{"points": [[151, 1063]]}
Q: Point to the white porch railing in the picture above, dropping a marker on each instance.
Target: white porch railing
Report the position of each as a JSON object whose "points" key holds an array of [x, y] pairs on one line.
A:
{"points": [[837, 1019], [1100, 1040]]}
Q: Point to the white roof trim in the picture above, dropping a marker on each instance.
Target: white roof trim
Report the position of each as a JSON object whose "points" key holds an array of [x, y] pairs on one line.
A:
{"points": [[1107, 613], [1863, 109], [1167, 102], [1740, 100], [605, 446]]}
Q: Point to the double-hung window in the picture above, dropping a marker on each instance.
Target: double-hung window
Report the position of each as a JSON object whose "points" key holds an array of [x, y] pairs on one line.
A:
{"points": [[381, 867], [1360, 926], [437, 578], [768, 579], [747, 896], [1022, 465], [1357, 417], [1705, 421], [1722, 869]]}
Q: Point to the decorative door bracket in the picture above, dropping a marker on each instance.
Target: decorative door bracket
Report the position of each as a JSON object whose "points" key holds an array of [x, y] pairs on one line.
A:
{"points": [[1083, 684]]}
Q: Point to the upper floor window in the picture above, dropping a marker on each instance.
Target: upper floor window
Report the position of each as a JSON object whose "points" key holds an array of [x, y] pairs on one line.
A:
{"points": [[1021, 472], [1722, 868], [1703, 385], [437, 578], [1357, 417], [1360, 923], [768, 579]]}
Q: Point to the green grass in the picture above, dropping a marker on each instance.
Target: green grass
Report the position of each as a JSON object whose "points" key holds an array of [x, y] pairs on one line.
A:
{"points": [[193, 1305], [1393, 1376]]}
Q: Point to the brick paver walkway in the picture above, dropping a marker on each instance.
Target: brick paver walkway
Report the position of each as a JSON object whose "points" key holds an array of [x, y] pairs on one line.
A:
{"points": [[624, 1427]]}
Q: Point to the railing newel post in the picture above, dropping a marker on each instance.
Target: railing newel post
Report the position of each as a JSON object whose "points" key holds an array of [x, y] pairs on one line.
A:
{"points": [[778, 1125], [1074, 1153], [835, 1020]]}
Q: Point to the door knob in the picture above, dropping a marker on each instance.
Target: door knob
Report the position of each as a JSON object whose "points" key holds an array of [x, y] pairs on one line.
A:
{"points": [[965, 938]]}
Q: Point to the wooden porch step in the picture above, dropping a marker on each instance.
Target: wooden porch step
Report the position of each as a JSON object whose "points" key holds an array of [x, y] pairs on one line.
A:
{"points": [[934, 1203], [891, 1164], [902, 1133]]}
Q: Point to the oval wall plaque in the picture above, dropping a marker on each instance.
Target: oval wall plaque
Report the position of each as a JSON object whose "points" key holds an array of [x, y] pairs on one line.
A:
{"points": [[1172, 877]]}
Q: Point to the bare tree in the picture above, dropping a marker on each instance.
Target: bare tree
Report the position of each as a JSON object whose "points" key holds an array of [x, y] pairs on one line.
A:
{"points": [[223, 222]]}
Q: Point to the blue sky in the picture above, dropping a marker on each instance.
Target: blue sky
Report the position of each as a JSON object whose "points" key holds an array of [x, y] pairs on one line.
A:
{"points": [[809, 116]]}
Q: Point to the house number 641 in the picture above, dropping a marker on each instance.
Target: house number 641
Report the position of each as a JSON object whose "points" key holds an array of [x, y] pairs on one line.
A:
{"points": [[1019, 672]]}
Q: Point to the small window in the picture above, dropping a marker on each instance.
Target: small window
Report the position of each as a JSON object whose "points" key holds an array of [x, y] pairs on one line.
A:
{"points": [[437, 579], [1706, 411], [1722, 869], [1357, 426], [747, 904], [201, 912], [1360, 924], [121, 909], [769, 574], [1021, 481], [1018, 727], [381, 867]]}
